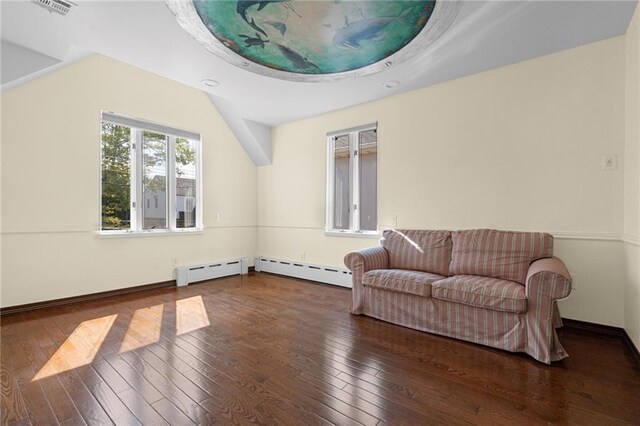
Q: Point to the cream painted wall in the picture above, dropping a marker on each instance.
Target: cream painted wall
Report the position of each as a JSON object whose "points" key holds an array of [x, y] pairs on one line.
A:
{"points": [[632, 292], [1, 200], [51, 174], [514, 148], [632, 127], [517, 148], [632, 180]]}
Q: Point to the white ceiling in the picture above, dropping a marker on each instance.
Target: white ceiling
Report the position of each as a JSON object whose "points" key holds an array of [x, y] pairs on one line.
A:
{"points": [[485, 35]]}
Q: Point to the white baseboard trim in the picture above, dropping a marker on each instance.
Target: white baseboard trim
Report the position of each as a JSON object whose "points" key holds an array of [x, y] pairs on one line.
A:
{"points": [[186, 275], [307, 271]]}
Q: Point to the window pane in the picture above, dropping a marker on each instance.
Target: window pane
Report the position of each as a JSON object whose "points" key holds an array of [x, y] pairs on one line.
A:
{"points": [[185, 183], [341, 196], [154, 180], [116, 177], [368, 150]]}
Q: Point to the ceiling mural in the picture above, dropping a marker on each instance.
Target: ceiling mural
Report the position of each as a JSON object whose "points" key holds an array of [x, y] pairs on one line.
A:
{"points": [[313, 40], [315, 37]]}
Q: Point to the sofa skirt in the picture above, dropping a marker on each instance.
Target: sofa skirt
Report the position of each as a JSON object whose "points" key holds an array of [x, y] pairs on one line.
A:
{"points": [[497, 329]]}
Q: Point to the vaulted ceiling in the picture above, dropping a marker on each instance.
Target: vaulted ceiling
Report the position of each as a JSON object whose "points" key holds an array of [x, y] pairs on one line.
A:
{"points": [[484, 35]]}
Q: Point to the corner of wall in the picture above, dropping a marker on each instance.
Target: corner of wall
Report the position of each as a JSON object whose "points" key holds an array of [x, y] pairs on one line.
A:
{"points": [[632, 180]]}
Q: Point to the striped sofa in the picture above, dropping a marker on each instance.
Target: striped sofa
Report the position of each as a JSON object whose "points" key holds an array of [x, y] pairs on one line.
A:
{"points": [[495, 288]]}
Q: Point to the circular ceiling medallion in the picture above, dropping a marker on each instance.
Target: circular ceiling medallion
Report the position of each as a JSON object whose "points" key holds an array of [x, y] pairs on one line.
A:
{"points": [[314, 40]]}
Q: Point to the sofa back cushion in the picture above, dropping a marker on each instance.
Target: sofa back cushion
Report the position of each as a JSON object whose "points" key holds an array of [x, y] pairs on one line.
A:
{"points": [[427, 251], [498, 254]]}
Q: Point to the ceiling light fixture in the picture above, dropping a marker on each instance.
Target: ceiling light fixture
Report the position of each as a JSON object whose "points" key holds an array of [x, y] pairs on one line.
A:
{"points": [[391, 84], [210, 83]]}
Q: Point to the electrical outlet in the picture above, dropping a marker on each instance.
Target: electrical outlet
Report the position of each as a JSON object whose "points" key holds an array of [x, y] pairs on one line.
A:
{"points": [[609, 162], [217, 217], [174, 261], [303, 256], [574, 281], [394, 220]]}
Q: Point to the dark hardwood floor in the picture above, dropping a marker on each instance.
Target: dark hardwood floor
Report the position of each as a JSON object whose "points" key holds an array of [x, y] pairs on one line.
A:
{"points": [[273, 350]]}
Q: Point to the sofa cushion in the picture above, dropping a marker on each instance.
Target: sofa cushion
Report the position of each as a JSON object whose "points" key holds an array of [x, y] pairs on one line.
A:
{"points": [[484, 292], [401, 281], [427, 251], [498, 254]]}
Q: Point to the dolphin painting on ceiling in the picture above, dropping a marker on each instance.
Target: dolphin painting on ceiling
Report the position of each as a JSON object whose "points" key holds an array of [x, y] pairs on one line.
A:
{"points": [[354, 33], [297, 60], [242, 6], [315, 37]]}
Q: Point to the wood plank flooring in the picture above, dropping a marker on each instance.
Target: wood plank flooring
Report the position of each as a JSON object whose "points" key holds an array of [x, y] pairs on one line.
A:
{"points": [[272, 350]]}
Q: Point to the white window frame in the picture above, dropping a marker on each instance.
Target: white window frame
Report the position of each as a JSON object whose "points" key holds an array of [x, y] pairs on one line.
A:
{"points": [[138, 127], [354, 181]]}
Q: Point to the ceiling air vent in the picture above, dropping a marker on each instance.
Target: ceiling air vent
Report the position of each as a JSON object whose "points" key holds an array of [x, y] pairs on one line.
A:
{"points": [[58, 6]]}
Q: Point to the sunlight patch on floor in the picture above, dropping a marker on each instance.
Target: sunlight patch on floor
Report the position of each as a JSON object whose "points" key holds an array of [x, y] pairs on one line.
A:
{"points": [[190, 315], [144, 328], [79, 349]]}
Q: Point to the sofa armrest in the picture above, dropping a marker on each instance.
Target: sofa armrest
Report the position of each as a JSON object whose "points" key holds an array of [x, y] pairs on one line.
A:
{"points": [[367, 259], [547, 282], [360, 262], [548, 278]]}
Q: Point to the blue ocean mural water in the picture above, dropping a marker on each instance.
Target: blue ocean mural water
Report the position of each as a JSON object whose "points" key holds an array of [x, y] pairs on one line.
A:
{"points": [[314, 37]]}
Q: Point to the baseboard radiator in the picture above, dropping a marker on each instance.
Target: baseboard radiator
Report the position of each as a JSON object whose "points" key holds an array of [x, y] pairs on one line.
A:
{"points": [[324, 274], [208, 271]]}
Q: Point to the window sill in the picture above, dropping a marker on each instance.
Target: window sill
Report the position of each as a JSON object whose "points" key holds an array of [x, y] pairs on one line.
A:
{"points": [[143, 234], [352, 234]]}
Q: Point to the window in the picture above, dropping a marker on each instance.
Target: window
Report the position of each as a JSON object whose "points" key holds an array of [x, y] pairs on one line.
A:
{"points": [[150, 178], [352, 199]]}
